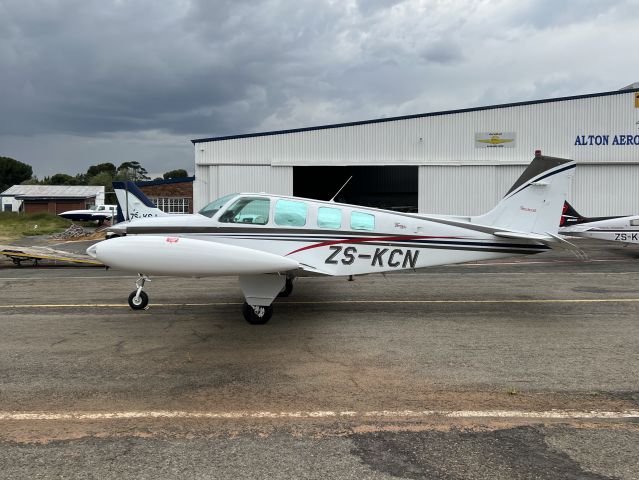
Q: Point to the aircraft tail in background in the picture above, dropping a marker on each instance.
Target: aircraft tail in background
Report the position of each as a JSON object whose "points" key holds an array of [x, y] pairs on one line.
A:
{"points": [[132, 203]]}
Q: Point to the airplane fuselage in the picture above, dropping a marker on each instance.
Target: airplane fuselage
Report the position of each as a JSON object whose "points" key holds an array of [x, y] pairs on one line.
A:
{"points": [[619, 229], [360, 240]]}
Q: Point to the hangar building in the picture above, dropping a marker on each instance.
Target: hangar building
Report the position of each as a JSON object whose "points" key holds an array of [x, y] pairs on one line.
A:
{"points": [[451, 162], [53, 199], [173, 195]]}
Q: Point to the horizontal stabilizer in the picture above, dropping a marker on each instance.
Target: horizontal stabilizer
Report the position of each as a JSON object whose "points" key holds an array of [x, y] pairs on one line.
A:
{"points": [[525, 236]]}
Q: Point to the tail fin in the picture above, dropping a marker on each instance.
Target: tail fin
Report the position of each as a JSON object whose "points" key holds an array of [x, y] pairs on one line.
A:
{"points": [[534, 203], [132, 203], [570, 216]]}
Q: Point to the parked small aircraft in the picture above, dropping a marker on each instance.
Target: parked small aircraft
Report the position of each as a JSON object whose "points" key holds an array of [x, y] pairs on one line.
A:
{"points": [[133, 203], [613, 229], [268, 240], [98, 213]]}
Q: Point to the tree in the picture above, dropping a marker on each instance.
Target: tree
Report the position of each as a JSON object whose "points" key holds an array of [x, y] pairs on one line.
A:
{"points": [[101, 167], [133, 171], [179, 173], [104, 178], [32, 181], [62, 179], [13, 172]]}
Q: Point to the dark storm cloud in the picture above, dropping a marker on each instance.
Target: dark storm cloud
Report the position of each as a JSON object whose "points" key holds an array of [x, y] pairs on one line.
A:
{"points": [[110, 71]]}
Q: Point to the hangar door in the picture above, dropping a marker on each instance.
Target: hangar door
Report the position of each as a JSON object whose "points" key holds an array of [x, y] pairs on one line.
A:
{"points": [[389, 187]]}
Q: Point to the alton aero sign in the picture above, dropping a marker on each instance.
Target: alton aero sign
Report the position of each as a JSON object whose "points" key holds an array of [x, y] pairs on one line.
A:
{"points": [[605, 140]]}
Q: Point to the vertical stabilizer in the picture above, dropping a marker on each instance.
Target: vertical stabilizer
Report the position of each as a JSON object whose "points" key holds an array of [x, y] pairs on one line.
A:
{"points": [[133, 203], [535, 202]]}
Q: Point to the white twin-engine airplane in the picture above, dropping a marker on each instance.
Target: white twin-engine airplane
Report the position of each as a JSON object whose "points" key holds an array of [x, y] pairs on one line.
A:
{"points": [[612, 229], [268, 240]]}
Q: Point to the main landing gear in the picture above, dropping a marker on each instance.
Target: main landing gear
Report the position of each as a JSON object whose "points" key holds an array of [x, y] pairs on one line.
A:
{"points": [[259, 291], [138, 299], [288, 288], [258, 314]]}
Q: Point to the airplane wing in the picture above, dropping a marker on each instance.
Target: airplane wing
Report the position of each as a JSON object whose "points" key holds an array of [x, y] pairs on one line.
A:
{"points": [[491, 229], [190, 257], [575, 229], [313, 271]]}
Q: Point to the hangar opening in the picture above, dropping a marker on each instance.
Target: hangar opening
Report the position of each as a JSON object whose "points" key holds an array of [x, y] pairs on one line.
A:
{"points": [[389, 187]]}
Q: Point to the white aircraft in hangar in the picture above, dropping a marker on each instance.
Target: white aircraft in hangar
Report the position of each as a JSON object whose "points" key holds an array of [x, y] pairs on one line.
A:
{"points": [[268, 240], [612, 229]]}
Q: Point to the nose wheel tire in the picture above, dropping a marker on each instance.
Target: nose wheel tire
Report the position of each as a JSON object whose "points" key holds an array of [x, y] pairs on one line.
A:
{"points": [[140, 302], [257, 315]]}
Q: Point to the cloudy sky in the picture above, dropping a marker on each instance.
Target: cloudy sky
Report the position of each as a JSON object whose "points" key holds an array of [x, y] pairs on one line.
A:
{"points": [[84, 82]]}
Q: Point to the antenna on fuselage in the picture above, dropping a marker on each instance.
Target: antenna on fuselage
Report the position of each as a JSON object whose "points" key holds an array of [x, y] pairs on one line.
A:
{"points": [[345, 183]]}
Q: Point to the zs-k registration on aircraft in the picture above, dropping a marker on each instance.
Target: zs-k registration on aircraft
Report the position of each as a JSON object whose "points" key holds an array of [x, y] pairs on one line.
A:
{"points": [[268, 240]]}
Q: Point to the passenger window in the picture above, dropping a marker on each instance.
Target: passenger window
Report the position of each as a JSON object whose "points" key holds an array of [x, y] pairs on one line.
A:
{"points": [[329, 217], [362, 221], [252, 211], [290, 213], [635, 222]]}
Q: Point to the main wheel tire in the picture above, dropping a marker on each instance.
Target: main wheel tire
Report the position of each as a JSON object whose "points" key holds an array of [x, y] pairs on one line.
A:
{"points": [[140, 303], [288, 288], [257, 315]]}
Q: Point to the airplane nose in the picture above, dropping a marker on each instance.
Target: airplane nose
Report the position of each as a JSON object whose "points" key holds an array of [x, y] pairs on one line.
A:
{"points": [[93, 250]]}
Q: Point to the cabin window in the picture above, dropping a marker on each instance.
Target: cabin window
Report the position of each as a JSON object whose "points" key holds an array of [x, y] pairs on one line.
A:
{"points": [[362, 221], [635, 222], [329, 217], [214, 207], [253, 211], [290, 213]]}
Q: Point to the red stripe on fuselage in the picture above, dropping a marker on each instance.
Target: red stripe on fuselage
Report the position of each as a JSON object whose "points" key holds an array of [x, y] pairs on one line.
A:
{"points": [[368, 239]]}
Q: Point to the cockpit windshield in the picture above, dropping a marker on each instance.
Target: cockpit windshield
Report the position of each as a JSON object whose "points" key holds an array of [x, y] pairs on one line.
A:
{"points": [[212, 208]]}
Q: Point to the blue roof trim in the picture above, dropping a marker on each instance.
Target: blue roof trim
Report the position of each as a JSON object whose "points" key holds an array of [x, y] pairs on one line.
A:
{"points": [[418, 115], [149, 183]]}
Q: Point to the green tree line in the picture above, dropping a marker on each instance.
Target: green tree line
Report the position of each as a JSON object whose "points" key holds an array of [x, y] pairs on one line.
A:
{"points": [[14, 172]]}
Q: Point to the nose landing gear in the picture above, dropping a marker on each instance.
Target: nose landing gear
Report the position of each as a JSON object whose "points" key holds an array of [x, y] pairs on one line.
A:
{"points": [[138, 299]]}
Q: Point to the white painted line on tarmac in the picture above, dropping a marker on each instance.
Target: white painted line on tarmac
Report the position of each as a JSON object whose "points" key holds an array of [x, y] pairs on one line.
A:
{"points": [[416, 414], [335, 302]]}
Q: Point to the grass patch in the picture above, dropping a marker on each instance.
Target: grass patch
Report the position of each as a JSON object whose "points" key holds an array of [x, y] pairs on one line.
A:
{"points": [[16, 225]]}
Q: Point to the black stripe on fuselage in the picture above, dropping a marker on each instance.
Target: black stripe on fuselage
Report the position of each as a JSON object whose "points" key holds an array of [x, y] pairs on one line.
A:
{"points": [[401, 243], [252, 230], [423, 243]]}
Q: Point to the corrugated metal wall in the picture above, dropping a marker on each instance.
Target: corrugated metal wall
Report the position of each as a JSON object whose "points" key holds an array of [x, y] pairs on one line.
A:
{"points": [[473, 190], [604, 185], [553, 127], [606, 190], [464, 190], [214, 181]]}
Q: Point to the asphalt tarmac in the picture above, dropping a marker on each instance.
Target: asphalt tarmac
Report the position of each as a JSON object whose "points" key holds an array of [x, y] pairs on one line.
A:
{"points": [[520, 369]]}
